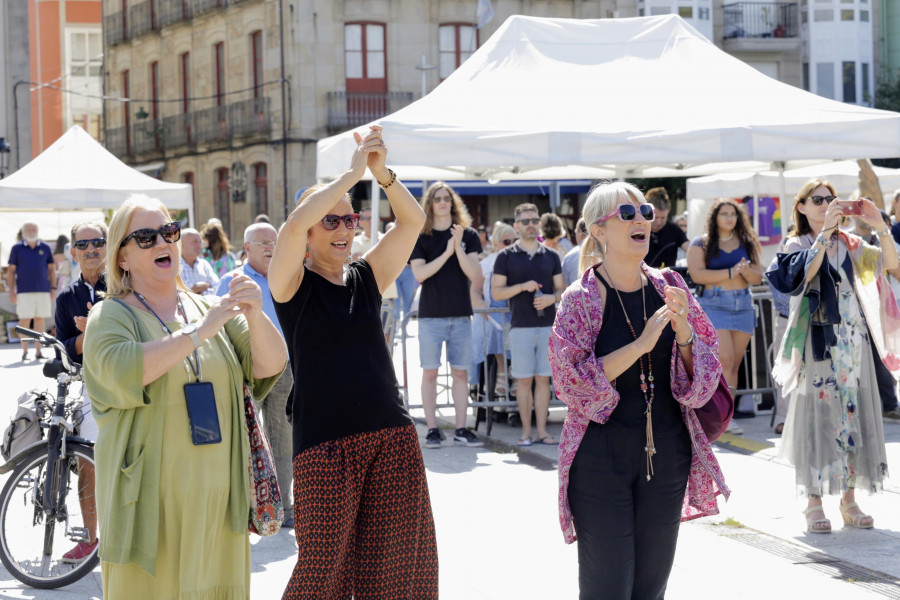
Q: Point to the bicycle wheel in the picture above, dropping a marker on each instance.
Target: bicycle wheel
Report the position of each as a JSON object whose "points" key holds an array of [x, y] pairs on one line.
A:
{"points": [[32, 544]]}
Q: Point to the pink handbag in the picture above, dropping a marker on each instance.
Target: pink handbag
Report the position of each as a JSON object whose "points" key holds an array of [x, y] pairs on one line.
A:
{"points": [[266, 506], [716, 414]]}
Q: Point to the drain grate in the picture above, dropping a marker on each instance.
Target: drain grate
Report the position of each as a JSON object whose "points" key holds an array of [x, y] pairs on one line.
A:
{"points": [[873, 581]]}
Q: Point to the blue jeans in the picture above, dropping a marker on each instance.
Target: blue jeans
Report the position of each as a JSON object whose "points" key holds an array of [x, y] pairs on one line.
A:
{"points": [[406, 289]]}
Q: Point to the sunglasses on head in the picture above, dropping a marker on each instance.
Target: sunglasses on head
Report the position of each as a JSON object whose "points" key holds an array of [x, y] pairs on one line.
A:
{"points": [[529, 221], [818, 200], [83, 244], [146, 238], [508, 241], [331, 222], [628, 213]]}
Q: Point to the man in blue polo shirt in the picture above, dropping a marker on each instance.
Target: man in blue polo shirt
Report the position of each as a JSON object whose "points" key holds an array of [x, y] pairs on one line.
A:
{"points": [[31, 279], [530, 275], [259, 244]]}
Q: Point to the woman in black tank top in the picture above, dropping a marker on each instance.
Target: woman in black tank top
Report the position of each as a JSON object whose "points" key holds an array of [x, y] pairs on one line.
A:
{"points": [[361, 504]]}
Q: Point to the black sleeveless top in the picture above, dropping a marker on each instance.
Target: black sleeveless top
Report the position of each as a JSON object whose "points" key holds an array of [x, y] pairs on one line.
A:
{"points": [[344, 381], [614, 334]]}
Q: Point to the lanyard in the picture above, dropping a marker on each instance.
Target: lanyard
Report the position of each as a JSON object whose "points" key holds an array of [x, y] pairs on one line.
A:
{"points": [[193, 365]]}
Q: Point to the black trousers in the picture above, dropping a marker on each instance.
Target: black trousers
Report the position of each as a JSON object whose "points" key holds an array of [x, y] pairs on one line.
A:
{"points": [[627, 527]]}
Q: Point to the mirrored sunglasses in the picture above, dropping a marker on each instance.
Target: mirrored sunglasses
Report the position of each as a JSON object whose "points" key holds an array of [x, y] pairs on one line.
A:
{"points": [[529, 221], [628, 212], [818, 200], [146, 238], [331, 222], [95, 242]]}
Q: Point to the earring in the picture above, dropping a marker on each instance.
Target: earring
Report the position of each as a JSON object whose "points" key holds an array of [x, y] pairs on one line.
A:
{"points": [[126, 280], [307, 253], [604, 248]]}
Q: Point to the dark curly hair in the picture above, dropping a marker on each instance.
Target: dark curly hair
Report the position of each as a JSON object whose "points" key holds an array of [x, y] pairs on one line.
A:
{"points": [[746, 236]]}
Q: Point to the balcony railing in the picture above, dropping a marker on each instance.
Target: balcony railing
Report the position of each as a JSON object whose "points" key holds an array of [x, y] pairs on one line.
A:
{"points": [[174, 11], [761, 20], [143, 18], [116, 141], [147, 136], [211, 124], [113, 29], [250, 117], [203, 6], [178, 131], [352, 109]]}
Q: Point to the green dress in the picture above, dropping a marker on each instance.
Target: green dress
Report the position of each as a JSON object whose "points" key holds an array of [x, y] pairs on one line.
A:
{"points": [[198, 552]]}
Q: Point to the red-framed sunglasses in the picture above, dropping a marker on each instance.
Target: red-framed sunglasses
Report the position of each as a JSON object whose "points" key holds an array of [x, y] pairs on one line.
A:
{"points": [[628, 212], [331, 222]]}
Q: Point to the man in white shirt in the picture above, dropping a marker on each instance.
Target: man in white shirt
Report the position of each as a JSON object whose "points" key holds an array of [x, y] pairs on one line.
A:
{"points": [[363, 242], [196, 273]]}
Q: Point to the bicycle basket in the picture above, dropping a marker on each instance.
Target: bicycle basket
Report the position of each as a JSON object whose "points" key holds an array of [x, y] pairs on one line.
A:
{"points": [[24, 429]]}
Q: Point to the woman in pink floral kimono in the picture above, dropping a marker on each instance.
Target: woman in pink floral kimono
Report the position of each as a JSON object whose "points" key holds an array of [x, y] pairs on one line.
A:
{"points": [[632, 355]]}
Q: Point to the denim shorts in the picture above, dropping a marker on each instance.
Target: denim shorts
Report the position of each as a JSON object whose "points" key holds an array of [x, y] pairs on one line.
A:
{"points": [[456, 332], [729, 309], [529, 352]]}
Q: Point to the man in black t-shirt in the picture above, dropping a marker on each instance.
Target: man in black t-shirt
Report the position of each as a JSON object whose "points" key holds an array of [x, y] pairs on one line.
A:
{"points": [[530, 275], [665, 237], [445, 261]]}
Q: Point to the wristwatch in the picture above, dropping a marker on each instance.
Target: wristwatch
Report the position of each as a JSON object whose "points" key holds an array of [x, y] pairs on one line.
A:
{"points": [[191, 330]]}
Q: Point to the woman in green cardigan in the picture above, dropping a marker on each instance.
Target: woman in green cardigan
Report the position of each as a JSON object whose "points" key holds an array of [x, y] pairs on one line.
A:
{"points": [[172, 496]]}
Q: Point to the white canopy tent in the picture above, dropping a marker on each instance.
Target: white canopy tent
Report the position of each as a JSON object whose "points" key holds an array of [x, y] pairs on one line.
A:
{"points": [[639, 97], [72, 181]]}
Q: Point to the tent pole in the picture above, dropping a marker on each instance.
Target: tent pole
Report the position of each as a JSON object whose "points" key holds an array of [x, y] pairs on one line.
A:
{"points": [[375, 195], [786, 211]]}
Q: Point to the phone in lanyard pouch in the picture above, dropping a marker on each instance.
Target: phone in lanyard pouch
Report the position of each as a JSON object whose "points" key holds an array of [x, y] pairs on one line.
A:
{"points": [[202, 413]]}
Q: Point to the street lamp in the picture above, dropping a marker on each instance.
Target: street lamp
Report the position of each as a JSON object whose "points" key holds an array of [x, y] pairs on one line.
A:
{"points": [[5, 149]]}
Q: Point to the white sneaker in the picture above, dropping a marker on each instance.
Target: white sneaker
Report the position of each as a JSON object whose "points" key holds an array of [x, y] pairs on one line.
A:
{"points": [[735, 429]]}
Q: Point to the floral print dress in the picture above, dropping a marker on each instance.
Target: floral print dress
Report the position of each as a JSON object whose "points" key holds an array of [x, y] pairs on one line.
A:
{"points": [[834, 433]]}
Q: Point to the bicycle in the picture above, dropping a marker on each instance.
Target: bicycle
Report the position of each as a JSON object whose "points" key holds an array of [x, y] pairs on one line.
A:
{"points": [[40, 489]]}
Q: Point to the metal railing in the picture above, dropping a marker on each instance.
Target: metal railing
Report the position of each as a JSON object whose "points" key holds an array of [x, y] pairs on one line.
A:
{"points": [[113, 30], [174, 11], [211, 124], [250, 117], [143, 18], [761, 20], [116, 141], [204, 6], [178, 131], [352, 109], [147, 136]]}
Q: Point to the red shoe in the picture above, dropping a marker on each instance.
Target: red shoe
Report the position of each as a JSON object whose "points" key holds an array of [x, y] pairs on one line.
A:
{"points": [[79, 552]]}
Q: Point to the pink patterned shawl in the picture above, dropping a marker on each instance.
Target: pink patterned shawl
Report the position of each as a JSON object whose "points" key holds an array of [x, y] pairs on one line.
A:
{"points": [[580, 382]]}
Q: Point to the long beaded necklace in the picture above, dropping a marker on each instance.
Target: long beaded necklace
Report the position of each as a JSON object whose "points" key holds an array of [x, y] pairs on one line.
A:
{"points": [[647, 386]]}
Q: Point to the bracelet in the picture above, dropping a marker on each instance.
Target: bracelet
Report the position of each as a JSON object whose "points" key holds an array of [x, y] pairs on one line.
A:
{"points": [[687, 343], [820, 239], [385, 186], [884, 233]]}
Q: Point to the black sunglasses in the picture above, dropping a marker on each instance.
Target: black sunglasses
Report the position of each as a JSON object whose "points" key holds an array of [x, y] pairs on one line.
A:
{"points": [[146, 238], [83, 244], [818, 200], [331, 222], [627, 212], [508, 241], [529, 221]]}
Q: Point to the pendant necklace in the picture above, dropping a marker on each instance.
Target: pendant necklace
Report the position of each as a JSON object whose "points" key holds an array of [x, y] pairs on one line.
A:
{"points": [[647, 386]]}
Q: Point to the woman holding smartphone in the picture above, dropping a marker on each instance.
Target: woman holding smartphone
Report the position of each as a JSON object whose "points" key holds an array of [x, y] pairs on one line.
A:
{"points": [[834, 433]]}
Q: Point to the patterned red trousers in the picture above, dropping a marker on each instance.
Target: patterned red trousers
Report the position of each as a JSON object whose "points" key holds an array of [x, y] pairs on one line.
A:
{"points": [[363, 521]]}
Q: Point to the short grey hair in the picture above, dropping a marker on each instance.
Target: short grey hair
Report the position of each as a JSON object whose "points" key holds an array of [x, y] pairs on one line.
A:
{"points": [[251, 229], [187, 230]]}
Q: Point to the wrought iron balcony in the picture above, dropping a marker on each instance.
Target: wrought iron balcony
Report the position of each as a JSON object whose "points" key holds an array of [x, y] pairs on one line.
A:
{"points": [[178, 130], [147, 136], [203, 6], [761, 20], [143, 18], [347, 110], [211, 124], [114, 29], [250, 117], [174, 11], [116, 141]]}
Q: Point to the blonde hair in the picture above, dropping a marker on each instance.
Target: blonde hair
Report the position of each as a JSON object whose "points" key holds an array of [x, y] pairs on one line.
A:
{"points": [[501, 230], [602, 200], [458, 211], [118, 231]]}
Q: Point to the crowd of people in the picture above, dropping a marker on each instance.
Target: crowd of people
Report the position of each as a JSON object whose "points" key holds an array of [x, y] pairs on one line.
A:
{"points": [[185, 323]]}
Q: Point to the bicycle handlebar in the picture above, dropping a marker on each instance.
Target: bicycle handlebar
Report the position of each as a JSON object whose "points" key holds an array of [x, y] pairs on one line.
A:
{"points": [[48, 340]]}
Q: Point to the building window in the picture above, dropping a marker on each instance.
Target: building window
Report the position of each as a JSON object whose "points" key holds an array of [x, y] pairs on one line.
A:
{"points": [[703, 13], [686, 12], [154, 89], [825, 80], [256, 53], [864, 16], [850, 81], [805, 75], [823, 15], [219, 73], [364, 52], [223, 198], [185, 82], [126, 93], [260, 189], [847, 15], [659, 10], [85, 54], [88, 122], [456, 43], [866, 91]]}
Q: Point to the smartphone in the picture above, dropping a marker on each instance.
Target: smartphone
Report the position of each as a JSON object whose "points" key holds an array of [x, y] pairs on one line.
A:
{"points": [[851, 207], [202, 413]]}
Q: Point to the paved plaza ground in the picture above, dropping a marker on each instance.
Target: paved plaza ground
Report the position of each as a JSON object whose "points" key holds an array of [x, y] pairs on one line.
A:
{"points": [[499, 538]]}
